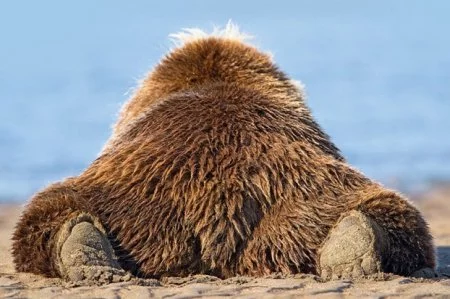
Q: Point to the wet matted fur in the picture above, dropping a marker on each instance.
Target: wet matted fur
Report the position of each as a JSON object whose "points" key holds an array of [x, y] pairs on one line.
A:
{"points": [[216, 166]]}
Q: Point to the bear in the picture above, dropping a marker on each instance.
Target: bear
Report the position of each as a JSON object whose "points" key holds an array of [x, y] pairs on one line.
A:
{"points": [[216, 166]]}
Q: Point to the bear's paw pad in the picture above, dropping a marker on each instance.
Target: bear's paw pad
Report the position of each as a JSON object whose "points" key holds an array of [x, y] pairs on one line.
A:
{"points": [[352, 249], [86, 256]]}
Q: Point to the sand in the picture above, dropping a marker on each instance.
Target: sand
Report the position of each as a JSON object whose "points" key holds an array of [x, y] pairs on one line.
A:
{"points": [[434, 204]]}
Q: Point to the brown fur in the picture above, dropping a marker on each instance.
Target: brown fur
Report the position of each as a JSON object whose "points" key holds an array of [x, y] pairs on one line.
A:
{"points": [[216, 166]]}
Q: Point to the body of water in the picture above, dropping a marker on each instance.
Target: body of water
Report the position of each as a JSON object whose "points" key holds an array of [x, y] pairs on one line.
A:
{"points": [[377, 76]]}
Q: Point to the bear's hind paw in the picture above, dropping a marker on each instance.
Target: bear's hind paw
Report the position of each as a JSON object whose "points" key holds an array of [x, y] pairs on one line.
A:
{"points": [[85, 255], [352, 249]]}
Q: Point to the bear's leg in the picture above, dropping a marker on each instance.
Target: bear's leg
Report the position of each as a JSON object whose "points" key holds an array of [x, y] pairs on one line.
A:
{"points": [[283, 242], [383, 234], [57, 236]]}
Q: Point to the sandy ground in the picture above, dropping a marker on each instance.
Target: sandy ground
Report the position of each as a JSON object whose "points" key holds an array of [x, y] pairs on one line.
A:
{"points": [[435, 205]]}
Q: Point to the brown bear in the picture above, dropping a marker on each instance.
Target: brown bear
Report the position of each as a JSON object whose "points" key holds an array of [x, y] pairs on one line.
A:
{"points": [[216, 166]]}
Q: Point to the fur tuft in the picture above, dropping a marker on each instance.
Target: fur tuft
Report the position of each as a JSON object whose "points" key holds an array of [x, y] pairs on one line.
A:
{"points": [[230, 31]]}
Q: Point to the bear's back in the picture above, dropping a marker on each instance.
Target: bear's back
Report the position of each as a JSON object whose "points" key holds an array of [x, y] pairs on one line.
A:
{"points": [[206, 164]]}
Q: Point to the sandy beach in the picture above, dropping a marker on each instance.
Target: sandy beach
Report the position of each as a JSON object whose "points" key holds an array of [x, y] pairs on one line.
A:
{"points": [[435, 205]]}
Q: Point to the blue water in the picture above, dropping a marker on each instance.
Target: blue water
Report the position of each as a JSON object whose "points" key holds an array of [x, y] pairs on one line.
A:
{"points": [[377, 75]]}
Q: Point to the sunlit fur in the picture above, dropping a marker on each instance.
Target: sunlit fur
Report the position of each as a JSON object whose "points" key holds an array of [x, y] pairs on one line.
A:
{"points": [[216, 166], [230, 31]]}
